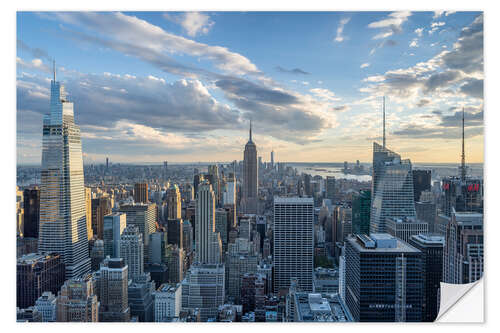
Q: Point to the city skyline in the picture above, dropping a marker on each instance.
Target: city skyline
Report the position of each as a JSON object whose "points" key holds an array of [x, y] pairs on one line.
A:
{"points": [[201, 85]]}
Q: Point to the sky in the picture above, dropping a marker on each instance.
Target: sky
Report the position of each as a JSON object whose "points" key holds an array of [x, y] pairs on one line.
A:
{"points": [[183, 86]]}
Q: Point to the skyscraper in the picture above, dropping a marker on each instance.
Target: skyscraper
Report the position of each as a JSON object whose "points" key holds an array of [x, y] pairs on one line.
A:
{"points": [[208, 243], [114, 224], [77, 301], [330, 188], [99, 208], [293, 242], [250, 177], [31, 198], [392, 188], [421, 182], [141, 193], [272, 159], [132, 251], [174, 202], [112, 282], [361, 204], [88, 212], [63, 226], [143, 217]]}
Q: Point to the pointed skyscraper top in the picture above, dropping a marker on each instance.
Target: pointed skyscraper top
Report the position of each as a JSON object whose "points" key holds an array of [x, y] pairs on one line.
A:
{"points": [[54, 68], [250, 131]]}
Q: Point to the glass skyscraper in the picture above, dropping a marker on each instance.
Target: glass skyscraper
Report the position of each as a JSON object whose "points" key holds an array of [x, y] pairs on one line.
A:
{"points": [[63, 226], [392, 188]]}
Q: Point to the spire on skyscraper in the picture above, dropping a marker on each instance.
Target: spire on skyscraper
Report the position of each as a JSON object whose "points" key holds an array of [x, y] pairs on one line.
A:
{"points": [[463, 170], [383, 138], [250, 130], [54, 68]]}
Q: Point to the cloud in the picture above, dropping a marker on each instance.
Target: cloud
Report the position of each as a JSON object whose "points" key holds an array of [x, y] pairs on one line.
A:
{"points": [[423, 102], [34, 64], [340, 29], [435, 26], [419, 31], [473, 88], [414, 43], [34, 51], [194, 23], [364, 65], [342, 108], [387, 42], [390, 25], [324, 94], [291, 71]]}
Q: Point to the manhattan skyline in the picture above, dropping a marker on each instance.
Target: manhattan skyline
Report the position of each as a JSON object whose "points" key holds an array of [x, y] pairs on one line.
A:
{"points": [[183, 86]]}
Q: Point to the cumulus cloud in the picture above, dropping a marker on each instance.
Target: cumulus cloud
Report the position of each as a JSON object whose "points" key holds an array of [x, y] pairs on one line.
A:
{"points": [[414, 43], [390, 25], [340, 29], [419, 31], [194, 23], [473, 88], [324, 94]]}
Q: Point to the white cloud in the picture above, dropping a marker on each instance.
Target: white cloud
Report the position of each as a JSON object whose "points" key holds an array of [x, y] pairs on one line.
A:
{"points": [[419, 31], [414, 43], [390, 25], [366, 64], [325, 94], [194, 23], [340, 29]]}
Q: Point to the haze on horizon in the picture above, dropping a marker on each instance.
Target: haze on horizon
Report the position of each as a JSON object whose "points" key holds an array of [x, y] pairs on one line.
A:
{"points": [[181, 87]]}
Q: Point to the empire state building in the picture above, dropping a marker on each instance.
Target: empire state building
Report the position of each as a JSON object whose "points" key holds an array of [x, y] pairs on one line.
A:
{"points": [[250, 177]]}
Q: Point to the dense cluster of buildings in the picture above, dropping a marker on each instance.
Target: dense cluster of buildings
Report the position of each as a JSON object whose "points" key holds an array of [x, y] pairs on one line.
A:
{"points": [[246, 241]]}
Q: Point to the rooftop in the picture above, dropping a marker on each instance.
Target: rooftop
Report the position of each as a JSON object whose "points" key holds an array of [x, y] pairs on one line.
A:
{"points": [[292, 200], [380, 243]]}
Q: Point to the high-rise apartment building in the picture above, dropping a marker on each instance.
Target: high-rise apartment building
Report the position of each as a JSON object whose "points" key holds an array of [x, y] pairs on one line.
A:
{"points": [[432, 248], [392, 188], [208, 243], [141, 193], [31, 217], [77, 302], [132, 251], [293, 242], [250, 198], [63, 228], [384, 279], [112, 284], [36, 274], [114, 224]]}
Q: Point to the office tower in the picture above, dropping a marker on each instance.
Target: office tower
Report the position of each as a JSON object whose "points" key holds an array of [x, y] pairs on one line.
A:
{"points": [[37, 273], [384, 279], [174, 232], [187, 235], [330, 188], [325, 280], [46, 306], [221, 226], [63, 228], [250, 177], [141, 193], [432, 248], [261, 227], [463, 251], [29, 315], [307, 184], [293, 242], [165, 170], [208, 243], [157, 247], [132, 251], [114, 224], [404, 228], [421, 182], [392, 188], [229, 196], [19, 217], [107, 163], [253, 291], [140, 298], [342, 274], [100, 207], [77, 302], [88, 212], [143, 217], [112, 284], [196, 181], [245, 228], [174, 258], [272, 159], [31, 218], [167, 302], [174, 202], [361, 204], [203, 289], [213, 171], [96, 254], [426, 212], [238, 263]]}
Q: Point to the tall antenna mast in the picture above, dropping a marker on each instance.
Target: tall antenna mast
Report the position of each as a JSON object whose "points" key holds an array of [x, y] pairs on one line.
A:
{"points": [[250, 129], [54, 68], [383, 142], [463, 170]]}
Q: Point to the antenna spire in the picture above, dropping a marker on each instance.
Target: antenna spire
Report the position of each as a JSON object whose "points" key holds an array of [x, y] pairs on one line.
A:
{"points": [[250, 129], [54, 68], [383, 139], [463, 169]]}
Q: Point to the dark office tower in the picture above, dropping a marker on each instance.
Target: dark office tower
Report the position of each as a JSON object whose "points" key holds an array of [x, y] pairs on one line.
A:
{"points": [[261, 226], [187, 235], [463, 251], [361, 204], [307, 185], [174, 202], [384, 279], [96, 254], [100, 208], [77, 301], [165, 170], [112, 284], [141, 193], [174, 232], [114, 224], [392, 188], [196, 181], [143, 217], [253, 292], [426, 211], [213, 171], [330, 188], [221, 226], [37, 273], [107, 164], [63, 226], [432, 248], [272, 159], [462, 195], [140, 298], [421, 182], [31, 198], [174, 258], [250, 177], [293, 242]]}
